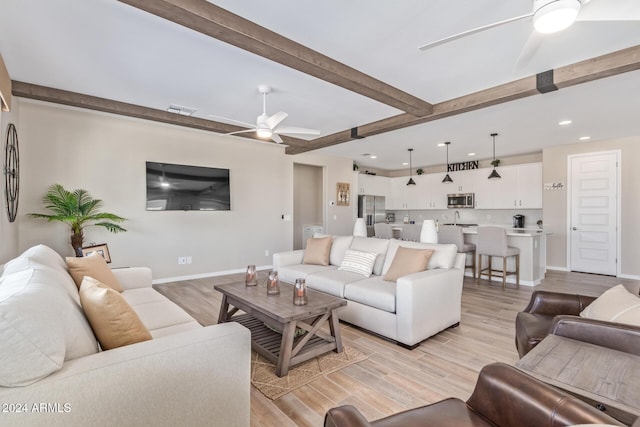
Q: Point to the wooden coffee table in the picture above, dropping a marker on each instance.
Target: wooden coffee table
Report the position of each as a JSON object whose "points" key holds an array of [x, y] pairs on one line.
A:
{"points": [[283, 349], [605, 378]]}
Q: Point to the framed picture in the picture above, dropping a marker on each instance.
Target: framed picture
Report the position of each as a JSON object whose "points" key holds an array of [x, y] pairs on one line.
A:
{"points": [[102, 249], [343, 194]]}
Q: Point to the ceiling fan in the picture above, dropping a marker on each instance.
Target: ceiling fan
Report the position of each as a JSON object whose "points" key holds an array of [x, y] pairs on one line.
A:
{"points": [[550, 16], [268, 127]]}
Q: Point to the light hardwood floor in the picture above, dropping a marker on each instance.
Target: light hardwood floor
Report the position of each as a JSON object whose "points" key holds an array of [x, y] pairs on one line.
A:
{"points": [[393, 379]]}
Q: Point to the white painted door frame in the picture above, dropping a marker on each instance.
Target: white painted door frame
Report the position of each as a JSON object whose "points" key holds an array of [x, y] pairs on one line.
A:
{"points": [[618, 204]]}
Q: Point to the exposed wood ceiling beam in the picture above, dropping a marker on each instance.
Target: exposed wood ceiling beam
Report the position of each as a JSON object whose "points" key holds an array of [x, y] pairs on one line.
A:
{"points": [[600, 67], [209, 19], [58, 96]]}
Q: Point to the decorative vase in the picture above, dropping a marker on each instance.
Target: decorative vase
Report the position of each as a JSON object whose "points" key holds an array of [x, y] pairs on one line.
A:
{"points": [[428, 232]]}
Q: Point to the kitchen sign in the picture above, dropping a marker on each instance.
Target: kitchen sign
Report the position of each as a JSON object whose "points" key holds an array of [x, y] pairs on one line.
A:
{"points": [[462, 166]]}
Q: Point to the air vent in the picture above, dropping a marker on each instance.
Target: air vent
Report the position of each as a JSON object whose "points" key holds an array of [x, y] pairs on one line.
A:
{"points": [[181, 109]]}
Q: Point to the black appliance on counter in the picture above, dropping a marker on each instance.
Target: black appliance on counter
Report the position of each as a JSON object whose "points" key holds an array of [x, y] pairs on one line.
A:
{"points": [[518, 221]]}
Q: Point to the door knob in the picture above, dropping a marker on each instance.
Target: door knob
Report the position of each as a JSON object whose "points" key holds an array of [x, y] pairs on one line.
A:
{"points": [[574, 228]]}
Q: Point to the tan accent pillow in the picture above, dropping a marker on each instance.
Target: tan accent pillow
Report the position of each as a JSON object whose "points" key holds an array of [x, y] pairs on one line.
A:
{"points": [[407, 261], [615, 305], [318, 250], [112, 319], [94, 266]]}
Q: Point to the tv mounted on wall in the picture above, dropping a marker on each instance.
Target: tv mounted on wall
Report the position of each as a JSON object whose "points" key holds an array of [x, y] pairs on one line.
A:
{"points": [[173, 187]]}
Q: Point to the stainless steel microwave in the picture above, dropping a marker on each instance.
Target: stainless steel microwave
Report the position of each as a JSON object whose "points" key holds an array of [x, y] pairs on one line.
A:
{"points": [[461, 201]]}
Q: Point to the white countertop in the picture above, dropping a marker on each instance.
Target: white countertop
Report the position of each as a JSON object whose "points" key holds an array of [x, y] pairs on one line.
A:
{"points": [[513, 232]]}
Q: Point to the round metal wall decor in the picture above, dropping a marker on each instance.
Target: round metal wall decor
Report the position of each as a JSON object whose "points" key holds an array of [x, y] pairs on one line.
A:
{"points": [[11, 172]]}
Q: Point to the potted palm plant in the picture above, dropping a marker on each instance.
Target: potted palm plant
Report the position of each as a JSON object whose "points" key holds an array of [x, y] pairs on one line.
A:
{"points": [[78, 210]]}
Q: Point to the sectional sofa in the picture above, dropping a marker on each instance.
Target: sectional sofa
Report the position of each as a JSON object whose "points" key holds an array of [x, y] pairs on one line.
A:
{"points": [[407, 310], [53, 373]]}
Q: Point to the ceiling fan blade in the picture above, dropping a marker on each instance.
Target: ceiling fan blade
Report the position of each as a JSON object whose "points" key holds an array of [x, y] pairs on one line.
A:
{"points": [[241, 131], [529, 50], [276, 138], [301, 131], [276, 119], [601, 10], [473, 31], [232, 121]]}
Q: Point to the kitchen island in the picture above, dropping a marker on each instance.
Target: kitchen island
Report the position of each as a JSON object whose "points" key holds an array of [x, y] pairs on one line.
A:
{"points": [[532, 243], [533, 253]]}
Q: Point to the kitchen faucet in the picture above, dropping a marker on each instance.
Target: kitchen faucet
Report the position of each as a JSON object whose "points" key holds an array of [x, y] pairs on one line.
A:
{"points": [[456, 217]]}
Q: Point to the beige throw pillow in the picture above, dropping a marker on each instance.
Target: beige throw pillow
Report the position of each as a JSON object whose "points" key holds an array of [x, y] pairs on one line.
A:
{"points": [[94, 266], [112, 319], [317, 251], [407, 261], [615, 305]]}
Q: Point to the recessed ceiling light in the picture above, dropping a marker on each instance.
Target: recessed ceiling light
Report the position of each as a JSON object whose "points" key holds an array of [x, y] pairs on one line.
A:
{"points": [[373, 156], [405, 163], [471, 154], [564, 122], [441, 144], [585, 138]]}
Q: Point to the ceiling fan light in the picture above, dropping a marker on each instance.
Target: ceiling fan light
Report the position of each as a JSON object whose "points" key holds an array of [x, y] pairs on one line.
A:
{"points": [[264, 133], [555, 15]]}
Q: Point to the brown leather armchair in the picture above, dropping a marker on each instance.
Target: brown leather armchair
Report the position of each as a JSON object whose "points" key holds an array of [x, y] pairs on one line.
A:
{"points": [[503, 396], [557, 313]]}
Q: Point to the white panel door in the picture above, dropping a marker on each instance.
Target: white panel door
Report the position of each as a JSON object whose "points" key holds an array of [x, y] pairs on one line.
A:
{"points": [[593, 213]]}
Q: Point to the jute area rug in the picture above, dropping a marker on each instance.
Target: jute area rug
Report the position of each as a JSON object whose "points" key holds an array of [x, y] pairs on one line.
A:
{"points": [[264, 378]]}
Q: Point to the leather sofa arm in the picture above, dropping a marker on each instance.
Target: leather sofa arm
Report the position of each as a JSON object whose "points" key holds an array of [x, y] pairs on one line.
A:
{"points": [[509, 397], [345, 416], [616, 336], [555, 303]]}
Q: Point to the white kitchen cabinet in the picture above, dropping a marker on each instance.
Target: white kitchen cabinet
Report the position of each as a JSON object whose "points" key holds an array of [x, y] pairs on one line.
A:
{"points": [[519, 188], [398, 194], [484, 189], [463, 181], [505, 190], [373, 185], [435, 191], [530, 186], [395, 199]]}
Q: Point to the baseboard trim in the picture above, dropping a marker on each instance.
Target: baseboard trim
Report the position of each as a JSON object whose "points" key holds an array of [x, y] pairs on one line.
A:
{"points": [[205, 275], [512, 280], [629, 276], [551, 267]]}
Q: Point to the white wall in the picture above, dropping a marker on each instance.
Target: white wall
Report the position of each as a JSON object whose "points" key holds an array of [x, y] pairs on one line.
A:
{"points": [[105, 154], [8, 230], [555, 202]]}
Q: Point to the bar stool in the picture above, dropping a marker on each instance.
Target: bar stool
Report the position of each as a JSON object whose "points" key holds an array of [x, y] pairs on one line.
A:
{"points": [[492, 242], [452, 234]]}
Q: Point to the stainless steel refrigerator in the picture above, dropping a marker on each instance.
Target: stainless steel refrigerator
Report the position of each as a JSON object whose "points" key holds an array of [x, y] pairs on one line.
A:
{"points": [[371, 208]]}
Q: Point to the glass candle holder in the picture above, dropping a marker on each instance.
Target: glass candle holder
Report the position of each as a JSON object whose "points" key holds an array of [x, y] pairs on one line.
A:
{"points": [[300, 292], [273, 284], [251, 279]]}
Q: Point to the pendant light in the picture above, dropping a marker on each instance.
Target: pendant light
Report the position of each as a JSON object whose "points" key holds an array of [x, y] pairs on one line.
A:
{"points": [[447, 179], [411, 181], [494, 173]]}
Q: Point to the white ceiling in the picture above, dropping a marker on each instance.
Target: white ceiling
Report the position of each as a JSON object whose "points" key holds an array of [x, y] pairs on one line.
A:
{"points": [[109, 49]]}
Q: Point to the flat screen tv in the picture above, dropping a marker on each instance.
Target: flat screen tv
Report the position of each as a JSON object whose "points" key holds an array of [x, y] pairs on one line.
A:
{"points": [[173, 187]]}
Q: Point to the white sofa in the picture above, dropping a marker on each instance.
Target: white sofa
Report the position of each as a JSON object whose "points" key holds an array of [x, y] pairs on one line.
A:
{"points": [[407, 311], [53, 374]]}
